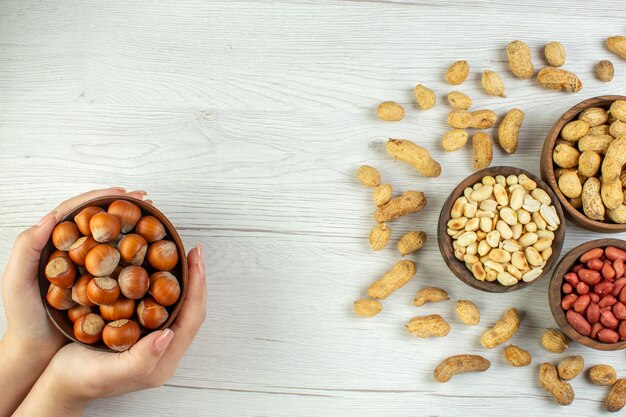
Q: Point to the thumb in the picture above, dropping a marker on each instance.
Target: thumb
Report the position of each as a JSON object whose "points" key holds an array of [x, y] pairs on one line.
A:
{"points": [[24, 259], [144, 356]]}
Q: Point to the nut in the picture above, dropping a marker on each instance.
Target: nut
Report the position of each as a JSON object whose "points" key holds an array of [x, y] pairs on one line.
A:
{"points": [[390, 111], [411, 242], [428, 326], [560, 390], [605, 71], [558, 79], [152, 315], [455, 365], [508, 131], [554, 341], [519, 60], [409, 202], [150, 228], [454, 139], [457, 73], [164, 287], [103, 290], [479, 119], [83, 218], [429, 295], [88, 328], [127, 213], [133, 281], [64, 235], [574, 130], [102, 260], [367, 175], [425, 97], [468, 312], [565, 156], [382, 194], [132, 248], [414, 155], [367, 307], [602, 375], [398, 276], [617, 45], [121, 335], [104, 227], [593, 207], [122, 308], [379, 236], [516, 356], [503, 330], [459, 100], [483, 152], [555, 54], [570, 367], [616, 399], [492, 83], [162, 255]]}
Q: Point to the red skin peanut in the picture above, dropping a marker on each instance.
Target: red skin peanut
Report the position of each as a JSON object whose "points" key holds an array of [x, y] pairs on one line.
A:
{"points": [[607, 300], [613, 253], [582, 288], [608, 272], [577, 268], [622, 330], [595, 328], [619, 311], [622, 295], [603, 288], [578, 322], [567, 288], [589, 277], [618, 266], [619, 284], [581, 304], [594, 297], [608, 336], [571, 278], [593, 313], [568, 301], [591, 254], [608, 320], [595, 264]]}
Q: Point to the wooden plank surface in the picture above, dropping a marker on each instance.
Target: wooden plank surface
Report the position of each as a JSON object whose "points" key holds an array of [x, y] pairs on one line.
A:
{"points": [[245, 121]]}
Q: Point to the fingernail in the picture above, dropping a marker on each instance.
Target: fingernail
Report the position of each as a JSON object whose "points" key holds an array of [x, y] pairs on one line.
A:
{"points": [[122, 189], [200, 251], [45, 218], [163, 341]]}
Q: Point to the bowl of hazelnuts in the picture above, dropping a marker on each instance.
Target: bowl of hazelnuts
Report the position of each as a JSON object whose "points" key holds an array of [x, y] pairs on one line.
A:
{"points": [[113, 271]]}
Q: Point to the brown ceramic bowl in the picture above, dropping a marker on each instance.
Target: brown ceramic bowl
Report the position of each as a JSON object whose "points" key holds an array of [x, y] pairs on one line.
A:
{"points": [[547, 166], [555, 295], [59, 317], [457, 267]]}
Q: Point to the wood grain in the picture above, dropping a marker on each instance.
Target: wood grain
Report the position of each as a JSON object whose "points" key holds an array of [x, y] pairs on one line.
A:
{"points": [[246, 120]]}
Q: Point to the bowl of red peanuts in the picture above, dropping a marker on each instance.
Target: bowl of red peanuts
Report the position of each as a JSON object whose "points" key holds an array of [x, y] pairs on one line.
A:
{"points": [[587, 294]]}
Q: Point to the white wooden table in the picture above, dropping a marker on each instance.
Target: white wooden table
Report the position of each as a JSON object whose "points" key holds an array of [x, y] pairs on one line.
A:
{"points": [[245, 120]]}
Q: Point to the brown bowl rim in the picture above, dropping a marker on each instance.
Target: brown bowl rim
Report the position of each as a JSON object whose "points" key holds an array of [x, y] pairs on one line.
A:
{"points": [[555, 297], [458, 268], [172, 234], [547, 165]]}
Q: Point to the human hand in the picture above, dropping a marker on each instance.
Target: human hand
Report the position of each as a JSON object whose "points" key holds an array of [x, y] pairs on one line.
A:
{"points": [[30, 337], [77, 375]]}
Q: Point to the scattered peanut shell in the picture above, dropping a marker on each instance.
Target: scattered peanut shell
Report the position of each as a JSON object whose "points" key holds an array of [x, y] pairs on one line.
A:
{"points": [[428, 326], [368, 176], [520, 63], [616, 399], [516, 356], [409, 202], [425, 97], [555, 54], [602, 375], [429, 295], [397, 277], [492, 83], [552, 78], [459, 100], [468, 312], [455, 365], [454, 139], [483, 150], [617, 45], [414, 155], [570, 367], [382, 194], [503, 330], [457, 73], [605, 70], [390, 111], [379, 236], [367, 307], [508, 131], [554, 341], [562, 391], [411, 242]]}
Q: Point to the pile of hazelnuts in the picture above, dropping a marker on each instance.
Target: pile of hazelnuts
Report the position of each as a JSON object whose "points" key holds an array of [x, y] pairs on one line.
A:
{"points": [[99, 274]]}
